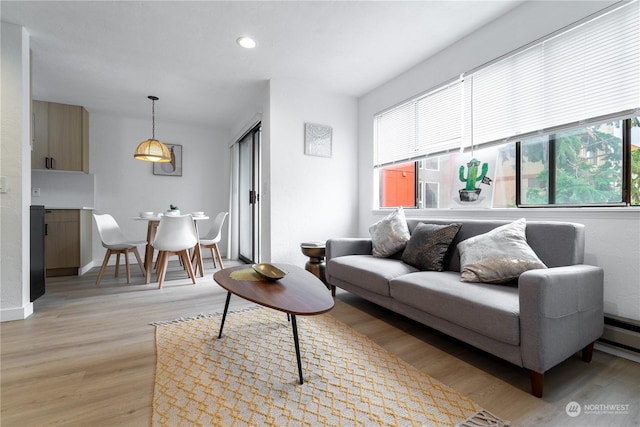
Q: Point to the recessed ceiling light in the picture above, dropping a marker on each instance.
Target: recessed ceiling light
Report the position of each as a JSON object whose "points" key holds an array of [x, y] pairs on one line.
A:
{"points": [[246, 42]]}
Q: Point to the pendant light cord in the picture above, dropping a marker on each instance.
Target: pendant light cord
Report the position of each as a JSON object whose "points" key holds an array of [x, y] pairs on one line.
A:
{"points": [[153, 119]]}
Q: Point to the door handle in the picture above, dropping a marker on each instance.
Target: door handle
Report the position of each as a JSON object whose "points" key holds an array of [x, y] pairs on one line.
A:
{"points": [[253, 197]]}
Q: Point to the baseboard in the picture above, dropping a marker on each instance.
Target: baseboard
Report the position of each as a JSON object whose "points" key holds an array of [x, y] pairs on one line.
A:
{"points": [[61, 272], [16, 313], [85, 269]]}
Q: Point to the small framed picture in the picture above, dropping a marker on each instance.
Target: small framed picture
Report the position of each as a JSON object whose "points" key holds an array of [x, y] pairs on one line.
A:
{"points": [[172, 168], [317, 140]]}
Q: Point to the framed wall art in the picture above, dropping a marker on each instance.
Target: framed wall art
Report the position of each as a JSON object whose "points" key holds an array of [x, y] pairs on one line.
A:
{"points": [[172, 168], [317, 140]]}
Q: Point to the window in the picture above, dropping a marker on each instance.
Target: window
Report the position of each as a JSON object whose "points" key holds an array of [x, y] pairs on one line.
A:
{"points": [[504, 181], [428, 195], [581, 166], [432, 164], [634, 168], [577, 167], [428, 183], [565, 100], [534, 171], [431, 194], [589, 166]]}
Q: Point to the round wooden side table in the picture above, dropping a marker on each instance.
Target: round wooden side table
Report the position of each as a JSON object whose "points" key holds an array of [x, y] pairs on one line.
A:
{"points": [[316, 264]]}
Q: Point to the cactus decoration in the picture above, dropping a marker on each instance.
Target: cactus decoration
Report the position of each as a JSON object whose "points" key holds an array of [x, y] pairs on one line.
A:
{"points": [[472, 174], [470, 193]]}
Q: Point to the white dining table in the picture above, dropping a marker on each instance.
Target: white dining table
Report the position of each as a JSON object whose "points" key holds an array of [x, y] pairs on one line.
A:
{"points": [[153, 222]]}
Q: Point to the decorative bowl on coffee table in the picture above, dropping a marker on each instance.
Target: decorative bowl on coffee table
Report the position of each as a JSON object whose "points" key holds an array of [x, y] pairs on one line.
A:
{"points": [[269, 271]]}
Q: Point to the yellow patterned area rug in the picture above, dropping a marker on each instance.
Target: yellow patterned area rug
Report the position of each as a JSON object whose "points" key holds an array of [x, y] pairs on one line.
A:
{"points": [[249, 377]]}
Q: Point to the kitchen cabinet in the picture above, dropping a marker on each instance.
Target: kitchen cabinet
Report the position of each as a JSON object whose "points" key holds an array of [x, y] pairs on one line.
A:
{"points": [[60, 137], [62, 242], [40, 135]]}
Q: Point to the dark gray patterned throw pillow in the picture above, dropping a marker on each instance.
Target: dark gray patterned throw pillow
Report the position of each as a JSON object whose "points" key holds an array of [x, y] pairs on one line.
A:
{"points": [[428, 245]]}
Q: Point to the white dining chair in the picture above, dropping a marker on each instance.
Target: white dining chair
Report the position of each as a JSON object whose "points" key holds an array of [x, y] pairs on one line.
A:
{"points": [[116, 243], [175, 236], [213, 237]]}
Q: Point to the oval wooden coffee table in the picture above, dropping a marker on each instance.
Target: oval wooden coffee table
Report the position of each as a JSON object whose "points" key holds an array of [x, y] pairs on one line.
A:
{"points": [[297, 293]]}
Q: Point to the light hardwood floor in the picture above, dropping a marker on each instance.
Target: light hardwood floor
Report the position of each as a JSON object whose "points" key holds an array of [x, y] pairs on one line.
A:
{"points": [[86, 357]]}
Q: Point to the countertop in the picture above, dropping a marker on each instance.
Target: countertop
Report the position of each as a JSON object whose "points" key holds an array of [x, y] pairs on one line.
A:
{"points": [[81, 208]]}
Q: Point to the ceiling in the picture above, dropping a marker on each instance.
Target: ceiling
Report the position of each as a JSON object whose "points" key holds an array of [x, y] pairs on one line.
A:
{"points": [[109, 56]]}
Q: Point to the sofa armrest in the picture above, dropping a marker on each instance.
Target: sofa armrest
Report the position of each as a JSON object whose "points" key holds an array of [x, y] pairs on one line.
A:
{"points": [[348, 246], [561, 312]]}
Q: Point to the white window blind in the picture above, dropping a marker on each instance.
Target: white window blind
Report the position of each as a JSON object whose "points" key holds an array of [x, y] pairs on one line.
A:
{"points": [[440, 120], [594, 69], [508, 97], [582, 75], [395, 134], [429, 124], [588, 72]]}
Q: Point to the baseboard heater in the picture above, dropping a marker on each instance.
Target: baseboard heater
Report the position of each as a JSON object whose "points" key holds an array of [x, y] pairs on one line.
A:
{"points": [[621, 332]]}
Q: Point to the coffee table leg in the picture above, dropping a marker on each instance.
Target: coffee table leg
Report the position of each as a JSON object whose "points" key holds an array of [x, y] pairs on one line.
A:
{"points": [[297, 344], [224, 314]]}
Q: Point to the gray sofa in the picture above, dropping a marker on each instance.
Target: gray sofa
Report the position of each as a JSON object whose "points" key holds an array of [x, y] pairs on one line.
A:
{"points": [[536, 322]]}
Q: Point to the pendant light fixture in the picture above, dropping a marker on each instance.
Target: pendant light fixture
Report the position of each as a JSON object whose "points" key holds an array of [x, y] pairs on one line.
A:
{"points": [[152, 150]]}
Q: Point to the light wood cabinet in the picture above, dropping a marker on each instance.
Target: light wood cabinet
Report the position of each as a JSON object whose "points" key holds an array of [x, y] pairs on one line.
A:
{"points": [[40, 135], [60, 137], [62, 242]]}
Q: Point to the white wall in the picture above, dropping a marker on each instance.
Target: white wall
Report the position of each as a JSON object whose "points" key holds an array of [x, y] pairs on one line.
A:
{"points": [[613, 236], [15, 164], [125, 186], [74, 189], [257, 111], [311, 198]]}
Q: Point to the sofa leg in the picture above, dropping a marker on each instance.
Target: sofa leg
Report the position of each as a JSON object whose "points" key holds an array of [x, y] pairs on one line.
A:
{"points": [[333, 290], [537, 383], [587, 352]]}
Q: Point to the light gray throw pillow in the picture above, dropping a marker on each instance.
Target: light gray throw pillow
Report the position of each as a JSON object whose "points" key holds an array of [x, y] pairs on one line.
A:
{"points": [[390, 234], [498, 256]]}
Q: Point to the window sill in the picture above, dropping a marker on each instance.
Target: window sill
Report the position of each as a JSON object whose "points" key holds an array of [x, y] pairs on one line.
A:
{"points": [[556, 213]]}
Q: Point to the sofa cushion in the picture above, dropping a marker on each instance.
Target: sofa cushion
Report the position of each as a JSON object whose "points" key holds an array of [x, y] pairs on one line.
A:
{"points": [[498, 256], [390, 234], [367, 271], [428, 245], [491, 310]]}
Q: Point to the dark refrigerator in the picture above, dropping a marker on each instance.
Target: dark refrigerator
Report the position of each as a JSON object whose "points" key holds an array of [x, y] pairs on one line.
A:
{"points": [[37, 252]]}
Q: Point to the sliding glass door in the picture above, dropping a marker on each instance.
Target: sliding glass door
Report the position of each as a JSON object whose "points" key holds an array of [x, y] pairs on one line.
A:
{"points": [[249, 197]]}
